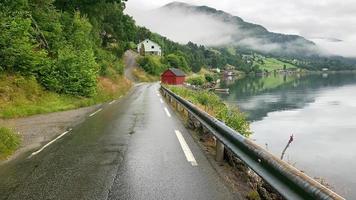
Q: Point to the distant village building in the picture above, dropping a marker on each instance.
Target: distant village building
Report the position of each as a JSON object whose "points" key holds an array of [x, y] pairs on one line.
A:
{"points": [[173, 76], [228, 67], [147, 47], [216, 70]]}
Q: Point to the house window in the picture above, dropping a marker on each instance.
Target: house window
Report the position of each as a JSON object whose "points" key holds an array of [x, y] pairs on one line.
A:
{"points": [[152, 47]]}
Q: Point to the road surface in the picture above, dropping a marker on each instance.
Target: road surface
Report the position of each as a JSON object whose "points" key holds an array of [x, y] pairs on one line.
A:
{"points": [[133, 148], [130, 64]]}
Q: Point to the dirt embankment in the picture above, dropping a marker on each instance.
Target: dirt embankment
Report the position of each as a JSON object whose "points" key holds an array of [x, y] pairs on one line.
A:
{"points": [[35, 131]]}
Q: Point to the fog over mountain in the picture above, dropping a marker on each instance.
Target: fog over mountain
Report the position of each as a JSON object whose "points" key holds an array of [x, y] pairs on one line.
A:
{"points": [[204, 25]]}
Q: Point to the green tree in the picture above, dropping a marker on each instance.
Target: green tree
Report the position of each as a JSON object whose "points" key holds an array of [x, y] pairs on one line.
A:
{"points": [[19, 51], [152, 64], [74, 71], [177, 61], [173, 60]]}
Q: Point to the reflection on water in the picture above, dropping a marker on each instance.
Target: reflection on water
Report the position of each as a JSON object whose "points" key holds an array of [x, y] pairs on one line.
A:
{"points": [[321, 113]]}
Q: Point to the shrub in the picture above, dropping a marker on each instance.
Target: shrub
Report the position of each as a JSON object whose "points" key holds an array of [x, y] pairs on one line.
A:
{"points": [[196, 80], [209, 78], [152, 65], [132, 46], [74, 73]]}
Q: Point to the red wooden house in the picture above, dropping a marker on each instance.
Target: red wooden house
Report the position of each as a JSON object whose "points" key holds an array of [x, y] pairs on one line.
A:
{"points": [[173, 76]]}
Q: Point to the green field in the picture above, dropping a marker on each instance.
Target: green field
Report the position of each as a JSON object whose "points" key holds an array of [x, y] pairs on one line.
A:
{"points": [[271, 64]]}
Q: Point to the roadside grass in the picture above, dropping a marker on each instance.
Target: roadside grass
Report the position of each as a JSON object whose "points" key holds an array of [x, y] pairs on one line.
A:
{"points": [[23, 96], [142, 76], [9, 142], [202, 77], [212, 104]]}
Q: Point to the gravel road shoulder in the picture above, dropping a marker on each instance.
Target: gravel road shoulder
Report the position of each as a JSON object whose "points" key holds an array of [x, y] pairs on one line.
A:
{"points": [[37, 130]]}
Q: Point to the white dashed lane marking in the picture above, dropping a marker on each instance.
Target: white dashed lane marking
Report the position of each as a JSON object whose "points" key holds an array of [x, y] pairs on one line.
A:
{"points": [[95, 112], [187, 152], [167, 112], [49, 143]]}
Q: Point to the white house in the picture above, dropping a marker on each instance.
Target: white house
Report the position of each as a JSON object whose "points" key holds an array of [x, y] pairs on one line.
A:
{"points": [[149, 47]]}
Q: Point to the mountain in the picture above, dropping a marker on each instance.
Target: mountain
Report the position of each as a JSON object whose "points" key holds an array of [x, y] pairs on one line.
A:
{"points": [[245, 35]]}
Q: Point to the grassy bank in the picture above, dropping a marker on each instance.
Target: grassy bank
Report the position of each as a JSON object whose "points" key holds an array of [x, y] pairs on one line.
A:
{"points": [[142, 76], [203, 77], [23, 96], [9, 142], [212, 104]]}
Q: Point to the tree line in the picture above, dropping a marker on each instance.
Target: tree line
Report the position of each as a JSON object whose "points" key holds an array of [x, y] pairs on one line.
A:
{"points": [[66, 44]]}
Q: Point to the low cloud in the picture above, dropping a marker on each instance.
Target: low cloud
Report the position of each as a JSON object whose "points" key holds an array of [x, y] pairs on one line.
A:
{"points": [[311, 19], [183, 27], [344, 47]]}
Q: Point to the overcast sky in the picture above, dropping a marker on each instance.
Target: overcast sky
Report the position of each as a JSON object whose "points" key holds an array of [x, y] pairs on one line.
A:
{"points": [[333, 19]]}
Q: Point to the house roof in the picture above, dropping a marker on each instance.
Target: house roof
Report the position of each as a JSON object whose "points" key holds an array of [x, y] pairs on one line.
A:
{"points": [[177, 72]]}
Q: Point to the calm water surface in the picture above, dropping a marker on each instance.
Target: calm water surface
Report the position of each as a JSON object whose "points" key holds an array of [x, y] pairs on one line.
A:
{"points": [[320, 110]]}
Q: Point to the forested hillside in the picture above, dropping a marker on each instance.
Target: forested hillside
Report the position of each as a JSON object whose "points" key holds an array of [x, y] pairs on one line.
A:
{"points": [[247, 35], [64, 44], [67, 44], [195, 56], [75, 47], [239, 37]]}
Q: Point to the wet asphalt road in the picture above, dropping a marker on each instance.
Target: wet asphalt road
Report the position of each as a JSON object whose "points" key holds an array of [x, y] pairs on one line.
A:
{"points": [[130, 64], [128, 150]]}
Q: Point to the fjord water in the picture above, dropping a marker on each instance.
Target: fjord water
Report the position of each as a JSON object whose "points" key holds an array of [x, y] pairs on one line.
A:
{"points": [[319, 110]]}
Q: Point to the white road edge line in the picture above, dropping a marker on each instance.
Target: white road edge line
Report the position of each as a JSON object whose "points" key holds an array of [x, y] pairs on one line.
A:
{"points": [[112, 102], [187, 152], [49, 143], [167, 112], [161, 100], [158, 95], [95, 112]]}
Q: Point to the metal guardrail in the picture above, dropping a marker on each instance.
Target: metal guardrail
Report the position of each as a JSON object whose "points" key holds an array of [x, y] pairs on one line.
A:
{"points": [[284, 178]]}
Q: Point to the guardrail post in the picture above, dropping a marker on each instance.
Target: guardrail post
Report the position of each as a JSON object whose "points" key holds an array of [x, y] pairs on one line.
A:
{"points": [[178, 107], [190, 121], [220, 148]]}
